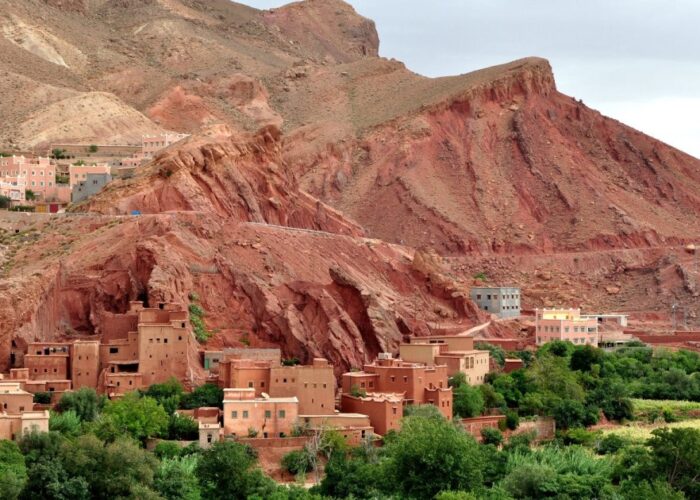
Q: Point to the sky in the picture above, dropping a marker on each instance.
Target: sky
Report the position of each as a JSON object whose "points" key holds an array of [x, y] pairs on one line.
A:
{"points": [[637, 61]]}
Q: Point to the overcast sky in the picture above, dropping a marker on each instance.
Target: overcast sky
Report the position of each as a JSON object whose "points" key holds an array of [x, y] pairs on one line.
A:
{"points": [[634, 60]]}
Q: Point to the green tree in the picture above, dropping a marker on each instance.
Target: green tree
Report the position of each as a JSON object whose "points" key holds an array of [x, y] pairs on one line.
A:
{"points": [[491, 436], [431, 455], [569, 413], [29, 194], [204, 395], [584, 357], [182, 428], [168, 394], [139, 417], [118, 470], [85, 402], [496, 352], [227, 470], [676, 455], [426, 411], [58, 154], [13, 471], [42, 398], [297, 462], [93, 148], [67, 423], [467, 401], [5, 202], [356, 474], [176, 478]]}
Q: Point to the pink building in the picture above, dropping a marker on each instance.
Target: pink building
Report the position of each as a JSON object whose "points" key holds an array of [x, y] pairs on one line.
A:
{"points": [[152, 144], [13, 188], [79, 173], [39, 173], [565, 324], [246, 414]]}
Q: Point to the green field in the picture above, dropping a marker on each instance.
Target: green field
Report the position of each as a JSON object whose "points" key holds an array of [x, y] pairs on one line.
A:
{"points": [[640, 433], [681, 409]]}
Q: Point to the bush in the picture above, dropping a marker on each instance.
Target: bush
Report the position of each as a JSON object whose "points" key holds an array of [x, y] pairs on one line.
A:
{"points": [[167, 449], [5, 202], [297, 462], [578, 436], [610, 444], [67, 423], [182, 428], [492, 436], [42, 398], [197, 315], [512, 420], [467, 401], [84, 402], [204, 395], [357, 392], [252, 432]]}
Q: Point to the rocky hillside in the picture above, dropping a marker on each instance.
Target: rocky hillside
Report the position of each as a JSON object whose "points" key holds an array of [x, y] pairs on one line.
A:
{"points": [[224, 222]]}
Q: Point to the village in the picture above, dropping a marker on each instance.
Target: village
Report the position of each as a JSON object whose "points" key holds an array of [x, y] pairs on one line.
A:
{"points": [[274, 403], [72, 173]]}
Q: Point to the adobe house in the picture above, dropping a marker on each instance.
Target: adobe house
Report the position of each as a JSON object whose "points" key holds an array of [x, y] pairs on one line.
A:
{"points": [[354, 427], [48, 360], [456, 352], [13, 427], [385, 410], [245, 373], [267, 416], [504, 302], [313, 385], [417, 382], [13, 399]]}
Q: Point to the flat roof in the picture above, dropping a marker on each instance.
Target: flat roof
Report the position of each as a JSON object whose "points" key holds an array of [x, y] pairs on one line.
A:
{"points": [[293, 399], [495, 287]]}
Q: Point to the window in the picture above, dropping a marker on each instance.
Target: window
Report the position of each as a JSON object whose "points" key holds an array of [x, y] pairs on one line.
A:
{"points": [[268, 414], [393, 410], [250, 384], [234, 414], [245, 413], [262, 384], [405, 378], [113, 350], [165, 341], [282, 414], [478, 296]]}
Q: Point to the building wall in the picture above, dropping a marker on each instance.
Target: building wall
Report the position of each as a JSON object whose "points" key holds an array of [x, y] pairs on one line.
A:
{"points": [[78, 173], [13, 399], [475, 425], [89, 187], [363, 381], [117, 384], [47, 367], [313, 385], [163, 351], [502, 301], [12, 427], [273, 417], [419, 353], [565, 324], [255, 375], [442, 399], [384, 414], [85, 364], [40, 173]]}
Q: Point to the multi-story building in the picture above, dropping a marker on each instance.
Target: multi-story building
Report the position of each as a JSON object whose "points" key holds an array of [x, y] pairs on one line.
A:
{"points": [[385, 410], [418, 383], [78, 173], [245, 414], [14, 188], [565, 324], [455, 352], [89, 187], [39, 173], [501, 301], [13, 399], [313, 385], [151, 144]]}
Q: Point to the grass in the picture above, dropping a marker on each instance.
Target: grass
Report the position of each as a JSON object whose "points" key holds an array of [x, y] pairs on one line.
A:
{"points": [[653, 409], [640, 433]]}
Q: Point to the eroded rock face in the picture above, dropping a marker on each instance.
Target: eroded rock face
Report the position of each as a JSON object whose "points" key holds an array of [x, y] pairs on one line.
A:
{"points": [[290, 272]]}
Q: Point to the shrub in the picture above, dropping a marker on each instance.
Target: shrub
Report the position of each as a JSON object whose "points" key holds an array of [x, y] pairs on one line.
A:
{"points": [[182, 428], [5, 202], [492, 436], [197, 321], [578, 436], [512, 420], [93, 148], [291, 361], [252, 432], [67, 423], [610, 444], [357, 392], [167, 449], [297, 462], [42, 398]]}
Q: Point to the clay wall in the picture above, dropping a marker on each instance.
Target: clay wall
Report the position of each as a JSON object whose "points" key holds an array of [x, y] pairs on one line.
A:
{"points": [[384, 414], [313, 385], [85, 364]]}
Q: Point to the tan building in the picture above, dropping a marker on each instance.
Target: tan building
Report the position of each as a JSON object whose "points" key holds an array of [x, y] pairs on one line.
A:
{"points": [[13, 427], [48, 360], [13, 399], [244, 413], [85, 363], [246, 373], [78, 173], [313, 385], [354, 427], [456, 352], [418, 383], [384, 410]]}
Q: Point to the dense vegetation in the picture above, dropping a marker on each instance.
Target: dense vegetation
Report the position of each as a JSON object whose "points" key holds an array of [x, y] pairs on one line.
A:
{"points": [[576, 384], [96, 448]]}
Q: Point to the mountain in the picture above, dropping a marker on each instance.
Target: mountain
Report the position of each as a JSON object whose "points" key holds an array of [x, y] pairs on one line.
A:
{"points": [[329, 201]]}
